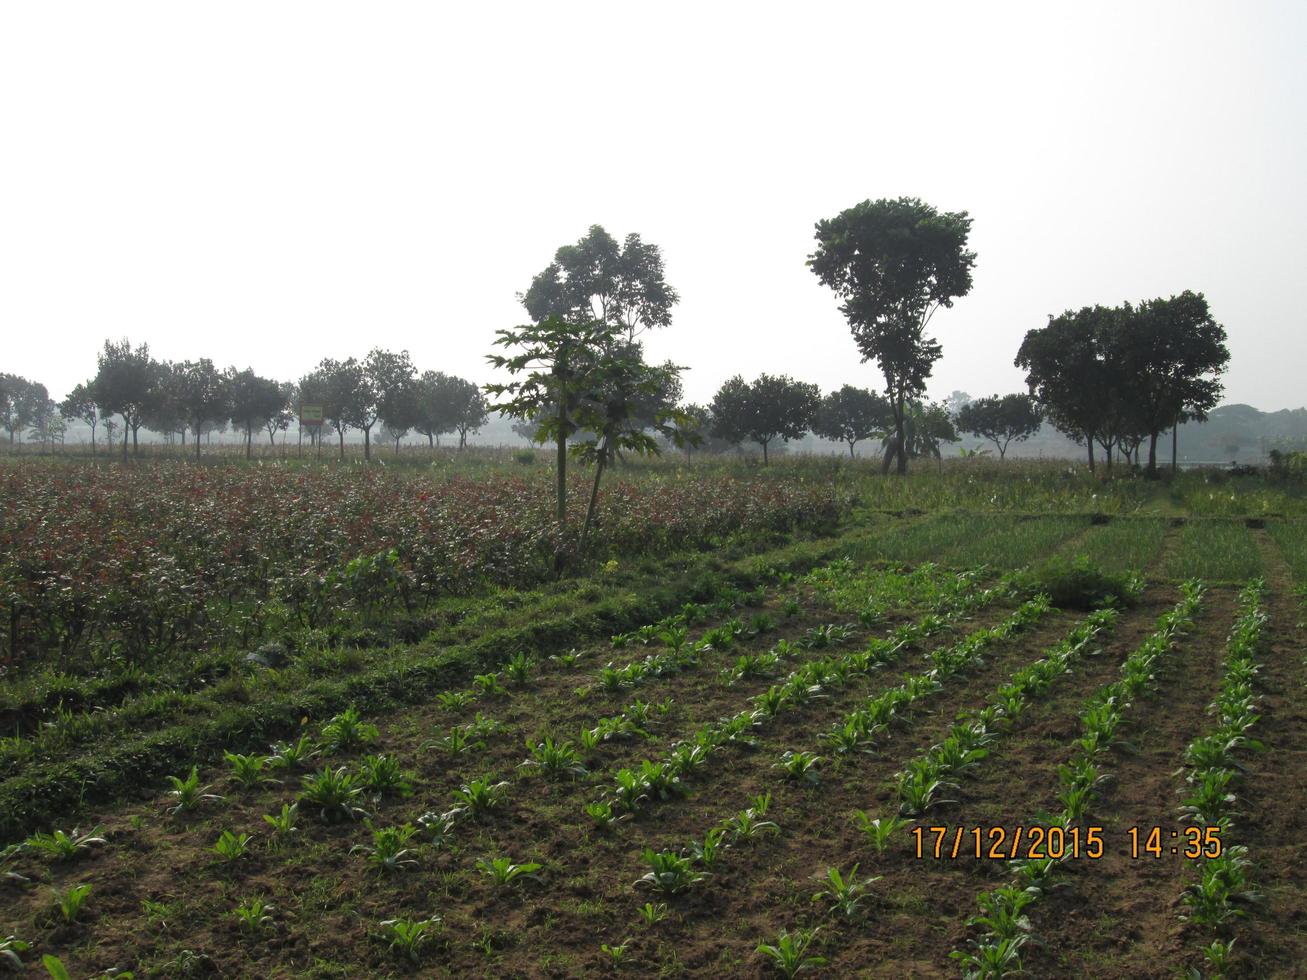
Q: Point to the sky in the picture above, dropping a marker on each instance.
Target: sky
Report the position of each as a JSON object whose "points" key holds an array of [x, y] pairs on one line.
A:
{"points": [[268, 184]]}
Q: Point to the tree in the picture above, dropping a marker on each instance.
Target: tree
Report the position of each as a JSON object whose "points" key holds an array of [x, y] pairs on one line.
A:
{"points": [[595, 279], [1000, 419], [202, 394], [1068, 374], [926, 427], [561, 364], [468, 408], [692, 423], [125, 382], [80, 405], [47, 424], [280, 420], [343, 392], [165, 413], [771, 406], [21, 404], [851, 415], [893, 264], [386, 393], [254, 402], [1173, 353], [433, 408]]}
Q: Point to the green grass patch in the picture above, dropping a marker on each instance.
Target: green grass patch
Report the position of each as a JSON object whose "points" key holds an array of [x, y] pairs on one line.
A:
{"points": [[1216, 551]]}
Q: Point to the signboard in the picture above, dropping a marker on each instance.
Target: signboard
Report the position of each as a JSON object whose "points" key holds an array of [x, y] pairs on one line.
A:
{"points": [[310, 415]]}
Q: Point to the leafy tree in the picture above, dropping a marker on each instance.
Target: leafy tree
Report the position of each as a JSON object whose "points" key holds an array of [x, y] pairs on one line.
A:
{"points": [[561, 366], [893, 264], [433, 409], [596, 279], [343, 392], [469, 409], [80, 405], [280, 420], [254, 402], [852, 415], [21, 404], [926, 427], [771, 406], [125, 382], [1068, 373], [1001, 419], [202, 394], [692, 424], [1173, 352], [393, 434], [47, 424], [386, 393]]}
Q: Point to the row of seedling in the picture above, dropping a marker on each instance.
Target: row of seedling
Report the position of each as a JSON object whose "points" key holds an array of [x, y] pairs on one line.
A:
{"points": [[857, 730], [1005, 926], [925, 777], [659, 780], [1213, 773]]}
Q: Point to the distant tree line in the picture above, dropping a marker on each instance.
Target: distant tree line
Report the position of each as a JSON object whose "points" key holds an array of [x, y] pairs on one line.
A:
{"points": [[131, 390]]}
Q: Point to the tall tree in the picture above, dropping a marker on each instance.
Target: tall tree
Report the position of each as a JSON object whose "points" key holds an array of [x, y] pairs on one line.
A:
{"points": [[851, 415], [80, 405], [388, 390], [596, 279], [343, 392], [1173, 352], [893, 264], [1001, 419], [770, 407], [202, 394], [125, 383], [1068, 374], [21, 404], [254, 401], [561, 366]]}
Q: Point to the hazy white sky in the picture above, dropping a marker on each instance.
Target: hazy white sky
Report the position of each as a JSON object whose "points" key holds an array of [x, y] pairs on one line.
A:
{"points": [[270, 183]]}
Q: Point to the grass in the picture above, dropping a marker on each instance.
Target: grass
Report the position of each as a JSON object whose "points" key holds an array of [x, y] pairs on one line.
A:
{"points": [[1214, 550], [1124, 544]]}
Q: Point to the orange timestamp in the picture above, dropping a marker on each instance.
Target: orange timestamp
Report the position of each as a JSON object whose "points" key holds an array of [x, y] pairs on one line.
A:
{"points": [[1040, 842]]}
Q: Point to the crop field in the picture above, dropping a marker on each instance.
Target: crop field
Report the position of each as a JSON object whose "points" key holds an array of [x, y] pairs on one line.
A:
{"points": [[338, 722]]}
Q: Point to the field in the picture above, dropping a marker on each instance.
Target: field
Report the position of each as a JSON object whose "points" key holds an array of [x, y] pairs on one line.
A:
{"points": [[283, 720]]}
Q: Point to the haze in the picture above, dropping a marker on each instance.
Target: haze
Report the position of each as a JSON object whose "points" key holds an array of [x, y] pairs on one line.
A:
{"points": [[268, 184]]}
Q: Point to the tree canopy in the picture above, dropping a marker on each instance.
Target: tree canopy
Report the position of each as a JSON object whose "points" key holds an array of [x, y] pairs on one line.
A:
{"points": [[851, 415], [1001, 419], [893, 264], [769, 407]]}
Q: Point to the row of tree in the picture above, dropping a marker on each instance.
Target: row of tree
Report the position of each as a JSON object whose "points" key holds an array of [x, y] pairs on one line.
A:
{"points": [[131, 390]]}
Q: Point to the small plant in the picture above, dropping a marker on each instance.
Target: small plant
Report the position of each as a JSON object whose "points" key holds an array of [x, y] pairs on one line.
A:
{"points": [[389, 850], [383, 776], [283, 824], [10, 947], [669, 873], [844, 894], [519, 667], [287, 756], [487, 684], [70, 901], [745, 826], [790, 953], [231, 846], [347, 731], [706, 851], [879, 830], [188, 792], [334, 792], [992, 959], [651, 914], [64, 846], [254, 916], [457, 742], [480, 796], [409, 937], [55, 967], [502, 871], [616, 954], [800, 766], [439, 827], [603, 814], [1002, 911], [555, 760], [250, 771], [454, 700]]}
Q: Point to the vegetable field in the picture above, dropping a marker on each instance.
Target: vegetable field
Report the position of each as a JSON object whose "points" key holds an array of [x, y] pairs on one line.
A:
{"points": [[775, 728]]}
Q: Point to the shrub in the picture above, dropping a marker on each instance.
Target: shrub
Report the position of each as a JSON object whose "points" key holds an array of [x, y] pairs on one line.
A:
{"points": [[1077, 583]]}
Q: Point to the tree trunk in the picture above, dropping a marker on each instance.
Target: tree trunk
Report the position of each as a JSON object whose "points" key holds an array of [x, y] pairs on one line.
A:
{"points": [[367, 442], [764, 452], [1090, 441], [594, 497], [851, 453], [342, 443], [431, 441], [462, 438], [901, 436], [561, 476], [1175, 446], [396, 445], [249, 442], [125, 428], [1152, 454]]}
